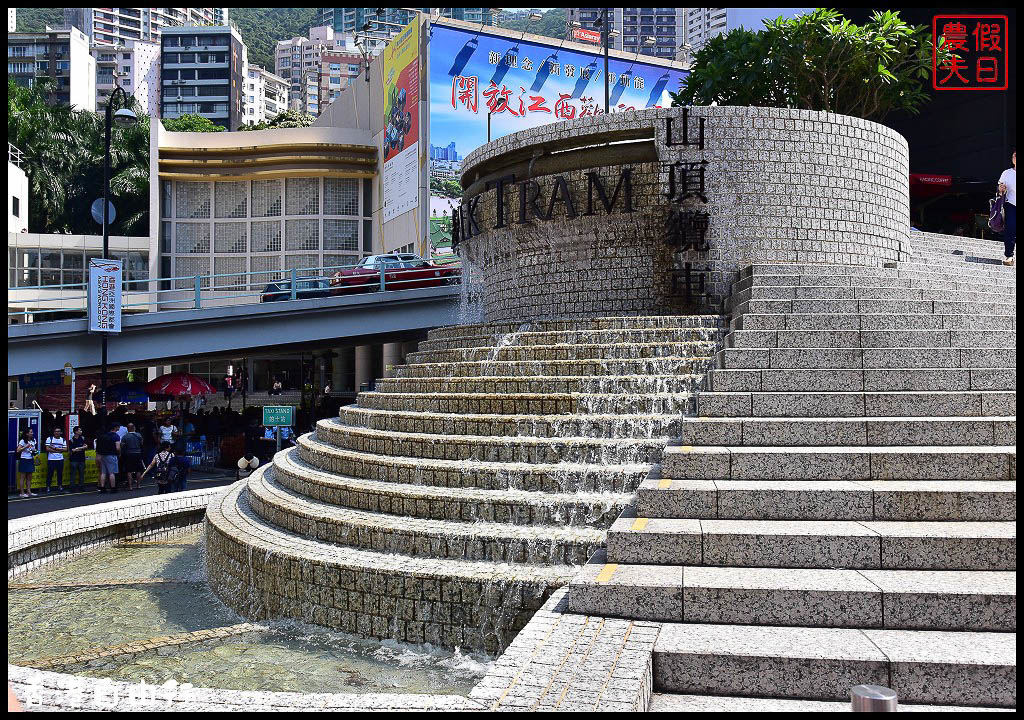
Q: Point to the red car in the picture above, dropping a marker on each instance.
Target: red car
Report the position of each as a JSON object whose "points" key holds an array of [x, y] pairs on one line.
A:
{"points": [[401, 272]]}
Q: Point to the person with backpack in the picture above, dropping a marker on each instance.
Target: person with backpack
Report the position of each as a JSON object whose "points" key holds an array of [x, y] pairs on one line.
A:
{"points": [[162, 464], [1008, 189], [108, 447], [177, 474]]}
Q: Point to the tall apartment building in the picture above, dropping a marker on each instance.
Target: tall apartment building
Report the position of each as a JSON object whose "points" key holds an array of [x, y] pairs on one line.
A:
{"points": [[62, 56], [353, 19], [116, 26], [702, 24], [134, 66], [203, 72], [666, 28], [266, 95], [317, 68]]}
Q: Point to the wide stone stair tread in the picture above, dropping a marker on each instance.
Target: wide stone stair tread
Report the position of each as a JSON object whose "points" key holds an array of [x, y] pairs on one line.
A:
{"points": [[846, 404], [866, 544], [562, 337], [419, 537], [871, 339], [897, 358], [922, 666], [530, 403], [880, 280], [871, 306], [488, 448], [580, 351], [597, 426], [611, 384], [559, 477], [852, 431], [431, 502], [870, 292], [594, 367], [974, 500], [925, 462], [860, 379], [894, 599], [598, 323], [672, 702]]}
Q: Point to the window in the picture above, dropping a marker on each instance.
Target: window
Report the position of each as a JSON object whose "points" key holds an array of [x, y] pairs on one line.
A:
{"points": [[302, 196], [16, 206]]}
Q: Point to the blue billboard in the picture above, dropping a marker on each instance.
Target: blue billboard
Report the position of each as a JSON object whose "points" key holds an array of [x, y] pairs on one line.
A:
{"points": [[518, 84]]}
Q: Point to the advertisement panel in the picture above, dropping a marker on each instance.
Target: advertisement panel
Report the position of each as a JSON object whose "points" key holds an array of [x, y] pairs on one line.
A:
{"points": [[478, 79], [401, 121], [104, 296]]}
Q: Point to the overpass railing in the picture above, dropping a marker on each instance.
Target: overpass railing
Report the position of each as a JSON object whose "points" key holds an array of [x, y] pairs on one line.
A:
{"points": [[25, 304]]}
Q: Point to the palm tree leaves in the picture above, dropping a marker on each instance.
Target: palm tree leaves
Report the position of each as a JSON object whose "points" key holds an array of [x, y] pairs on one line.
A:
{"points": [[63, 152]]}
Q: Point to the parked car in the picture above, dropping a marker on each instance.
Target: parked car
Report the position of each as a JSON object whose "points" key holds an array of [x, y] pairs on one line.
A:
{"points": [[305, 288], [402, 271]]}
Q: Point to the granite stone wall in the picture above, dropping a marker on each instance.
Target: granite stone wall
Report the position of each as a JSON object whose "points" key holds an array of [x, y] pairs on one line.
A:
{"points": [[786, 186]]}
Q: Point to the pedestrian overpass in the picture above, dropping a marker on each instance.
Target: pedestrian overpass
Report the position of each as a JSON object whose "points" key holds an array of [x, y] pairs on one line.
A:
{"points": [[169, 336]]}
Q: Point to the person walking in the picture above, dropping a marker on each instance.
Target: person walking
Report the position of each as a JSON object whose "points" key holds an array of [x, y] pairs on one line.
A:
{"points": [[131, 454], [161, 464], [56, 446], [108, 445], [76, 459], [1008, 187], [26, 463]]}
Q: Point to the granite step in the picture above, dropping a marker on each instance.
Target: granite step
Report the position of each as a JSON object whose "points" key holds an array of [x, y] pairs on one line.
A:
{"points": [[865, 544], [562, 368], [873, 306], [600, 323], [429, 502], [449, 603], [899, 358], [831, 431], [930, 403], [833, 338], [545, 426], [926, 462], [571, 337], [877, 281], [547, 477], [618, 351], [867, 292], [819, 321], [490, 448], [934, 667], [673, 702], [530, 403], [500, 543], [936, 500], [611, 384], [962, 270], [892, 599], [871, 380]]}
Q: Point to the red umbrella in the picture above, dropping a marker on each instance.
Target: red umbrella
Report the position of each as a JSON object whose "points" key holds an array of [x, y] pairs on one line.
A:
{"points": [[178, 384]]}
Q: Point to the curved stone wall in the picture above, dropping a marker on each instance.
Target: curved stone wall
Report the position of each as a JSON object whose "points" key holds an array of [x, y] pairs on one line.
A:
{"points": [[780, 186]]}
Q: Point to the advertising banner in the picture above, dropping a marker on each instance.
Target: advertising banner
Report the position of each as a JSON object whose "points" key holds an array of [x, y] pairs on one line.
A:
{"points": [[401, 66], [478, 79], [104, 296]]}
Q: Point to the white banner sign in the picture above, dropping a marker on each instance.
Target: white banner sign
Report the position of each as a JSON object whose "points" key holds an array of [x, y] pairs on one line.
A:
{"points": [[104, 296], [401, 182]]}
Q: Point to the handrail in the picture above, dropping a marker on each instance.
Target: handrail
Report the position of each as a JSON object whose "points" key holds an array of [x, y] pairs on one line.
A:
{"points": [[199, 291]]}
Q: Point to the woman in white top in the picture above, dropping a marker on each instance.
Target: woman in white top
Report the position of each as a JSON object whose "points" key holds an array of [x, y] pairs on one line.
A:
{"points": [[26, 463], [1008, 187]]}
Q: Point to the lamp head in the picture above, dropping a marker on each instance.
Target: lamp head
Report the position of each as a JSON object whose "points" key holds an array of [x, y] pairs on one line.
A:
{"points": [[125, 118]]}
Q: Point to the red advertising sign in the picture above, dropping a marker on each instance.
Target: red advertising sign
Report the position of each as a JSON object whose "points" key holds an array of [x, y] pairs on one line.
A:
{"points": [[586, 35], [978, 47]]}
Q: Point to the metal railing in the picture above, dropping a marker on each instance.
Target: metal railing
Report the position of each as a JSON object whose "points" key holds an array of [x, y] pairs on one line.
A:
{"points": [[14, 155], [230, 289]]}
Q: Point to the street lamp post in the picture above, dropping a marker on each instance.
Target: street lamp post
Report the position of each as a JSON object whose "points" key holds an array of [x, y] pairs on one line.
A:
{"points": [[124, 118], [605, 30]]}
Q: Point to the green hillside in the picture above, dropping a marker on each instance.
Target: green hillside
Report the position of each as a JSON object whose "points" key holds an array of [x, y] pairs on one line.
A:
{"points": [[261, 28]]}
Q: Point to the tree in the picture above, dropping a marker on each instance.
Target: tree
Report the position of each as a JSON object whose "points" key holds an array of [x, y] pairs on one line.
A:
{"points": [[191, 123], [63, 150], [551, 24], [817, 61], [287, 119]]}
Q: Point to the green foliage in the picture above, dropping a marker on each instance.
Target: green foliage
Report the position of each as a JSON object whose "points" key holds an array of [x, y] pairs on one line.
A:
{"points": [[63, 149], [551, 24], [445, 187], [817, 61], [36, 19], [287, 119], [191, 123], [262, 28]]}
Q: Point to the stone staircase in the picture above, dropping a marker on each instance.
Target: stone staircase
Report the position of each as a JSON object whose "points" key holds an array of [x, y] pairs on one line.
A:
{"points": [[447, 504], [842, 509]]}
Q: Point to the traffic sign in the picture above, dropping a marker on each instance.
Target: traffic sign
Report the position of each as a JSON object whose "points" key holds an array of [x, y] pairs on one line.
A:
{"points": [[40, 379], [278, 415]]}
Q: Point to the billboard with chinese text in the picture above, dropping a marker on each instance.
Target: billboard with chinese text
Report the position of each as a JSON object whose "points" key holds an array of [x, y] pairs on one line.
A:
{"points": [[104, 296], [520, 84], [401, 64]]}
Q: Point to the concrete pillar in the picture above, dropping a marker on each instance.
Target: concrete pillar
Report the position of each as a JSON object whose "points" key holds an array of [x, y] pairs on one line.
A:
{"points": [[152, 373], [364, 365], [394, 354], [336, 367]]}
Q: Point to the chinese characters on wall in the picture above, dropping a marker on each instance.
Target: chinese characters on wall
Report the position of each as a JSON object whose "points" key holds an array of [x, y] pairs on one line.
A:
{"points": [[977, 52], [104, 296]]}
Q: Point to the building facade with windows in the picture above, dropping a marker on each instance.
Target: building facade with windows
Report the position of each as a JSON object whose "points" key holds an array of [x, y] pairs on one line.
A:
{"points": [[135, 67], [319, 67], [60, 56], [118, 26], [203, 72], [648, 31], [266, 95], [354, 19]]}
